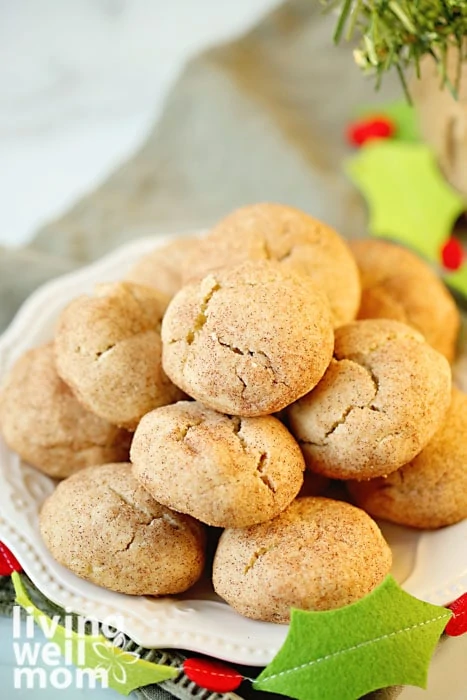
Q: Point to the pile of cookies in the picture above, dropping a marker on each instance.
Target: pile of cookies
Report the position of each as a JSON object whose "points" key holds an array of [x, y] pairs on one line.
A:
{"points": [[225, 384]]}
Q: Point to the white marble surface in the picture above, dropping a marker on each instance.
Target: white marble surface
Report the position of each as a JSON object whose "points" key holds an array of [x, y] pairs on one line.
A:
{"points": [[80, 84]]}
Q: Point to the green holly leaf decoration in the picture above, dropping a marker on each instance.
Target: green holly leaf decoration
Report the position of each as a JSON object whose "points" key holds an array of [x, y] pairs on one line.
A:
{"points": [[387, 638], [114, 667], [408, 199]]}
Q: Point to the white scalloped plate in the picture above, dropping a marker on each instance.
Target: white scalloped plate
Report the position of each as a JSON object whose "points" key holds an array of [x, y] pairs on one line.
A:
{"points": [[430, 565]]}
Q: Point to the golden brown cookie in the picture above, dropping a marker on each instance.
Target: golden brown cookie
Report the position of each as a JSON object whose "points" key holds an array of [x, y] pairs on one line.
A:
{"points": [[225, 471], [164, 267], [430, 491], [294, 239], [104, 527], [248, 340], [319, 554], [43, 422], [383, 397], [108, 349], [397, 284]]}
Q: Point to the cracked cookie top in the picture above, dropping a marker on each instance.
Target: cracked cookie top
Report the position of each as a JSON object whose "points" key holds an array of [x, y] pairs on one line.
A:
{"points": [[248, 340], [164, 267], [224, 470], [430, 491], [383, 397], [319, 554], [106, 528], [45, 424], [399, 285], [290, 237], [109, 350]]}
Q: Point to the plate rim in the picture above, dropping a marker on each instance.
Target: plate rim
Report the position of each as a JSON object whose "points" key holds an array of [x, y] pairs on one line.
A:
{"points": [[26, 322]]}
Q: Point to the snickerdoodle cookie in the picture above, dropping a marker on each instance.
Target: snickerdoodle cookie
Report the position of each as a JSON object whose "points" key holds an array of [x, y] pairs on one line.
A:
{"points": [[294, 239], [397, 284], [103, 526], [42, 421], [384, 395], [248, 340], [164, 267], [318, 554], [108, 349], [430, 491], [223, 470]]}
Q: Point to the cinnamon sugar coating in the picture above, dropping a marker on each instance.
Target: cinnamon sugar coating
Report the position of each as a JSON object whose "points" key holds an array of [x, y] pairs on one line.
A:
{"points": [[164, 267], [294, 239], [104, 527], [397, 284], [319, 554], [108, 349], [223, 470], [383, 397], [44, 423], [431, 490], [248, 340]]}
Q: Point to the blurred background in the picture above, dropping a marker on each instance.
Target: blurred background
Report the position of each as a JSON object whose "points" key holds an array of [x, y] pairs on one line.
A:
{"points": [[81, 82]]}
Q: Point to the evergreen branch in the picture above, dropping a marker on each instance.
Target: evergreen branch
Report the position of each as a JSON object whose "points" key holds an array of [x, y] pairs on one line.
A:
{"points": [[399, 33], [346, 7]]}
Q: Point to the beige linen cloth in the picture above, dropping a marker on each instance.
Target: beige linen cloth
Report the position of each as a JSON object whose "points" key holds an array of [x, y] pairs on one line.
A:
{"points": [[261, 118]]}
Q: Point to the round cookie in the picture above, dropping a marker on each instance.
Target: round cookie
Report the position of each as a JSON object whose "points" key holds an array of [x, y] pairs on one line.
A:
{"points": [[397, 284], [225, 471], [248, 340], [319, 554], [430, 491], [163, 268], [103, 526], [43, 422], [294, 239], [108, 349], [383, 397]]}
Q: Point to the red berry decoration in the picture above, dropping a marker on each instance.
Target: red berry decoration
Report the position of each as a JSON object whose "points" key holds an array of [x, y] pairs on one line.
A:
{"points": [[375, 128], [457, 625], [8, 562], [212, 675], [452, 254]]}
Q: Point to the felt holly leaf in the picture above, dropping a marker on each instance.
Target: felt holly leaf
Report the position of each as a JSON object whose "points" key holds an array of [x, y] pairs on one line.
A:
{"points": [[114, 667], [401, 113], [387, 638], [408, 199]]}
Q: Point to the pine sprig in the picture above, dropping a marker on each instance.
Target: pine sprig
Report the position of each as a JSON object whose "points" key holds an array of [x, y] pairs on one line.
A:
{"points": [[396, 34]]}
